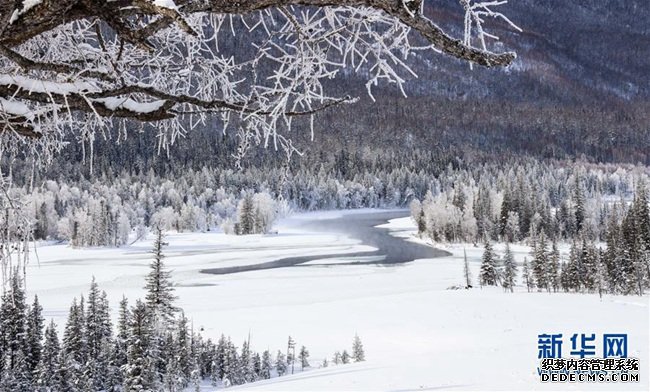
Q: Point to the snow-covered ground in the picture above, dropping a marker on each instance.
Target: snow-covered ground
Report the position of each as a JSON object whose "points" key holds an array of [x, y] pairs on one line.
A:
{"points": [[418, 335]]}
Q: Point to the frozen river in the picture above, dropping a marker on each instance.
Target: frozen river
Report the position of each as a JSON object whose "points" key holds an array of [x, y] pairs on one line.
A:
{"points": [[361, 227]]}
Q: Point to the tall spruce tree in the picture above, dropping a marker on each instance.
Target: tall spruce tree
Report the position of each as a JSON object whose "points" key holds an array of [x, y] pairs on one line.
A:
{"points": [[98, 332], [34, 341], [267, 365], [247, 215], [573, 276], [15, 373], [489, 275], [49, 361], [553, 267], [303, 356], [280, 364], [528, 276], [139, 372], [358, 354], [579, 204], [160, 291], [509, 270], [540, 263]]}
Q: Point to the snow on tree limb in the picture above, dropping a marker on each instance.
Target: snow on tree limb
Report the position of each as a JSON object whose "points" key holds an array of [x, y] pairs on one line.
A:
{"points": [[82, 63]]}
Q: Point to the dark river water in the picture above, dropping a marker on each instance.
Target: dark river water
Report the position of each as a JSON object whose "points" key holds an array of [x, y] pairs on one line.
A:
{"points": [[360, 226]]}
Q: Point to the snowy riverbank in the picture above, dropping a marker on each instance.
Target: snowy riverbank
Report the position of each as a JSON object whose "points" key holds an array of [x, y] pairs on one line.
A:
{"points": [[417, 334]]}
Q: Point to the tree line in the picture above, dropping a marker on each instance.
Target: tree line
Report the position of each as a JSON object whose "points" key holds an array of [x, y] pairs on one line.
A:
{"points": [[460, 198], [623, 267]]}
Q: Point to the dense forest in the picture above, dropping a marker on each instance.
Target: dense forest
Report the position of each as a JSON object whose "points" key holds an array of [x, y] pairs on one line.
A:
{"points": [[466, 197]]}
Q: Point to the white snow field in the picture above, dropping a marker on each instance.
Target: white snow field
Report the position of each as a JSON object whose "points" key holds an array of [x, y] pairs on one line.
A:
{"points": [[417, 334]]}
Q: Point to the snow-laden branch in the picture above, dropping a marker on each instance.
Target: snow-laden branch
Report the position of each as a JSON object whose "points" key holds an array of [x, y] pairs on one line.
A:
{"points": [[75, 66]]}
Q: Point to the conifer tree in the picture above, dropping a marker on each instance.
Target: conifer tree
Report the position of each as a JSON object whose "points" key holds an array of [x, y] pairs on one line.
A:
{"points": [[182, 350], [160, 292], [247, 215], [553, 267], [579, 204], [303, 356], [98, 334], [13, 331], [589, 264], [73, 337], [65, 374], [173, 379], [118, 355], [358, 354], [601, 280], [345, 357], [540, 263], [613, 254], [49, 361], [266, 365], [139, 370], [489, 273], [527, 276], [336, 359], [509, 270], [34, 335], [246, 363], [280, 364], [574, 269]]}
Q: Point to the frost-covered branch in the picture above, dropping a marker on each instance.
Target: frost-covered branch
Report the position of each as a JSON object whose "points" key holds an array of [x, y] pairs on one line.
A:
{"points": [[72, 67]]}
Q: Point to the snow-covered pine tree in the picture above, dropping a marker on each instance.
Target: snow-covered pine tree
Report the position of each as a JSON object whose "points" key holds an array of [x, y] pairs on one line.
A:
{"points": [[15, 371], [195, 377], [246, 363], [509, 270], [220, 358], [590, 262], [267, 365], [181, 353], [74, 343], [573, 269], [336, 359], [172, 379], [34, 340], [246, 214], [553, 267], [540, 263], [160, 291], [280, 364], [118, 356], [303, 356], [613, 253], [49, 361], [139, 371], [489, 275], [641, 206], [579, 204], [601, 280], [257, 366], [636, 239], [98, 332], [358, 354], [528, 276], [65, 374], [345, 357], [232, 366]]}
